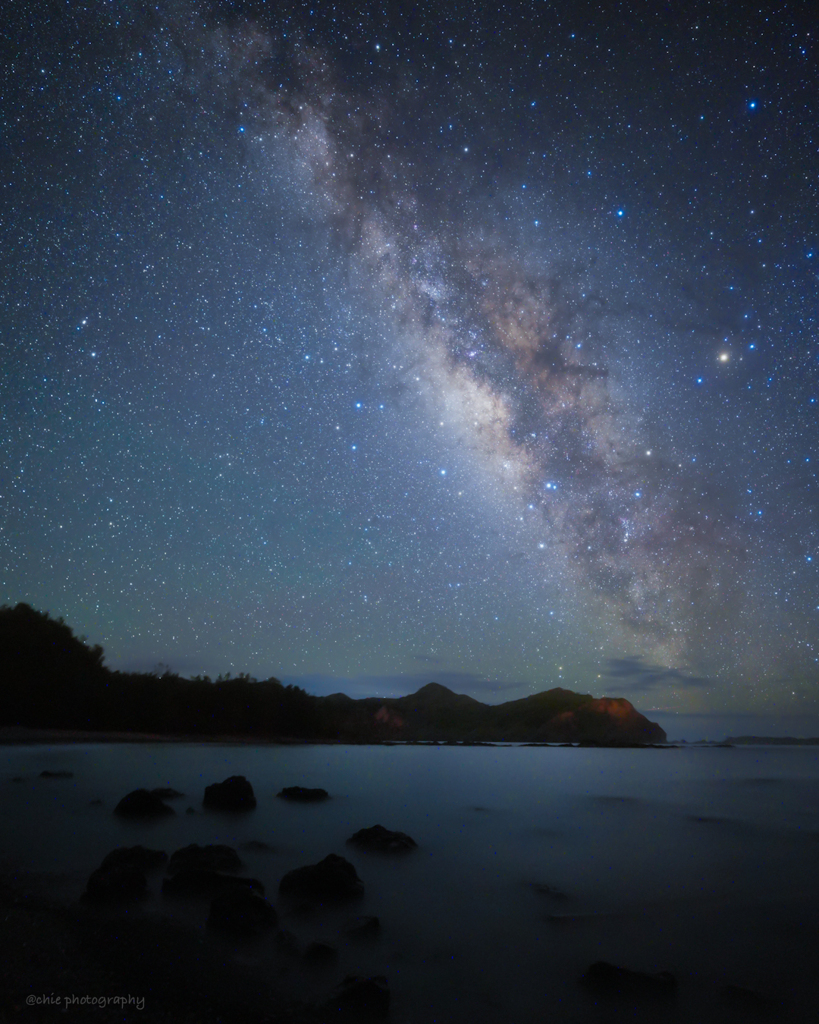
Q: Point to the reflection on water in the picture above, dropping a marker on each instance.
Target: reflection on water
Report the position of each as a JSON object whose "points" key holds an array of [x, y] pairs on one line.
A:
{"points": [[531, 864]]}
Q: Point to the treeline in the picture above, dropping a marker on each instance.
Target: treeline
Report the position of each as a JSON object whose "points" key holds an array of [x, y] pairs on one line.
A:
{"points": [[50, 678]]}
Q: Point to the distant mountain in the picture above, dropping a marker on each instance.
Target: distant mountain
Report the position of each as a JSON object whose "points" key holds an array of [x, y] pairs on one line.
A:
{"points": [[436, 713], [51, 679]]}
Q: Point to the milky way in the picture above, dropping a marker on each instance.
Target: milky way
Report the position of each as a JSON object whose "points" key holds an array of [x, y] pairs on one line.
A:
{"points": [[510, 349], [354, 352]]}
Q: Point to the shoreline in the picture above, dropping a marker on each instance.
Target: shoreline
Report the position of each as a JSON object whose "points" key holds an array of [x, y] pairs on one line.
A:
{"points": [[19, 735]]}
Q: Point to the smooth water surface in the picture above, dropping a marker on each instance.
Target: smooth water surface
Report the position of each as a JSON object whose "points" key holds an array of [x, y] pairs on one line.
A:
{"points": [[531, 864]]}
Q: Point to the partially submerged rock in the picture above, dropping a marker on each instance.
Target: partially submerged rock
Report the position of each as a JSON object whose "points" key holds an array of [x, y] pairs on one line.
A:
{"points": [[166, 792], [319, 953], [361, 998], [116, 883], [333, 878], [382, 840], [241, 911], [367, 926], [608, 979], [748, 999], [302, 794], [135, 856], [56, 775], [142, 803], [234, 794], [190, 881], [549, 890], [215, 857]]}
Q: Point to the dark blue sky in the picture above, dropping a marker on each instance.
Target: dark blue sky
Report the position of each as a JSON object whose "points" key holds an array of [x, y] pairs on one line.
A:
{"points": [[364, 346]]}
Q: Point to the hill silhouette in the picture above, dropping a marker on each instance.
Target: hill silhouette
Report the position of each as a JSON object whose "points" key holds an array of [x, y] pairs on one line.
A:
{"points": [[553, 716], [51, 679]]}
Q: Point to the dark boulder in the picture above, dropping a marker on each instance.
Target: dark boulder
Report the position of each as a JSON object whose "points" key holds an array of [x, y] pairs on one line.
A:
{"points": [[607, 979], [234, 794], [382, 840], [365, 927], [305, 796], [141, 803], [213, 858], [241, 911], [135, 856], [333, 878], [56, 775], [166, 793], [287, 943], [550, 891], [319, 953], [116, 883], [361, 998], [257, 846], [206, 882], [748, 999]]}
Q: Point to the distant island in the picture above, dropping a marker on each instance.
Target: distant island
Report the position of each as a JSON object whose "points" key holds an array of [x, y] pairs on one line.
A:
{"points": [[786, 741], [51, 679]]}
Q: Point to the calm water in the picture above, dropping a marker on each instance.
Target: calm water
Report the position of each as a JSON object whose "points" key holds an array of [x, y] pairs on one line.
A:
{"points": [[702, 862]]}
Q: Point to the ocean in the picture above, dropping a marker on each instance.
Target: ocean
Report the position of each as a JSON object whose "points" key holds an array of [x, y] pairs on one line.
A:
{"points": [[532, 863]]}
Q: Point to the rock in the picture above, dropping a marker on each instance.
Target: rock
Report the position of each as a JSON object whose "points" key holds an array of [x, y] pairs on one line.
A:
{"points": [[382, 840], [134, 856], [205, 882], [332, 878], [748, 999], [241, 912], [56, 775], [607, 979], [166, 793], [190, 810], [96, 802], [549, 890], [361, 998], [16, 778], [302, 794], [234, 794], [365, 927], [213, 858], [287, 943], [257, 846], [320, 953], [141, 803], [116, 883]]}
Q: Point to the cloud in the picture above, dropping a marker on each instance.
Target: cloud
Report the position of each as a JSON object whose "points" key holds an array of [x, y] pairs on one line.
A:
{"points": [[634, 675]]}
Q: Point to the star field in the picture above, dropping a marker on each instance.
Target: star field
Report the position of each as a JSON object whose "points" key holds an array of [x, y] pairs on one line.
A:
{"points": [[366, 346]]}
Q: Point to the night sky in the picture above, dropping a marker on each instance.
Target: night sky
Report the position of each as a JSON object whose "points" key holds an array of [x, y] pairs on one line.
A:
{"points": [[373, 345]]}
